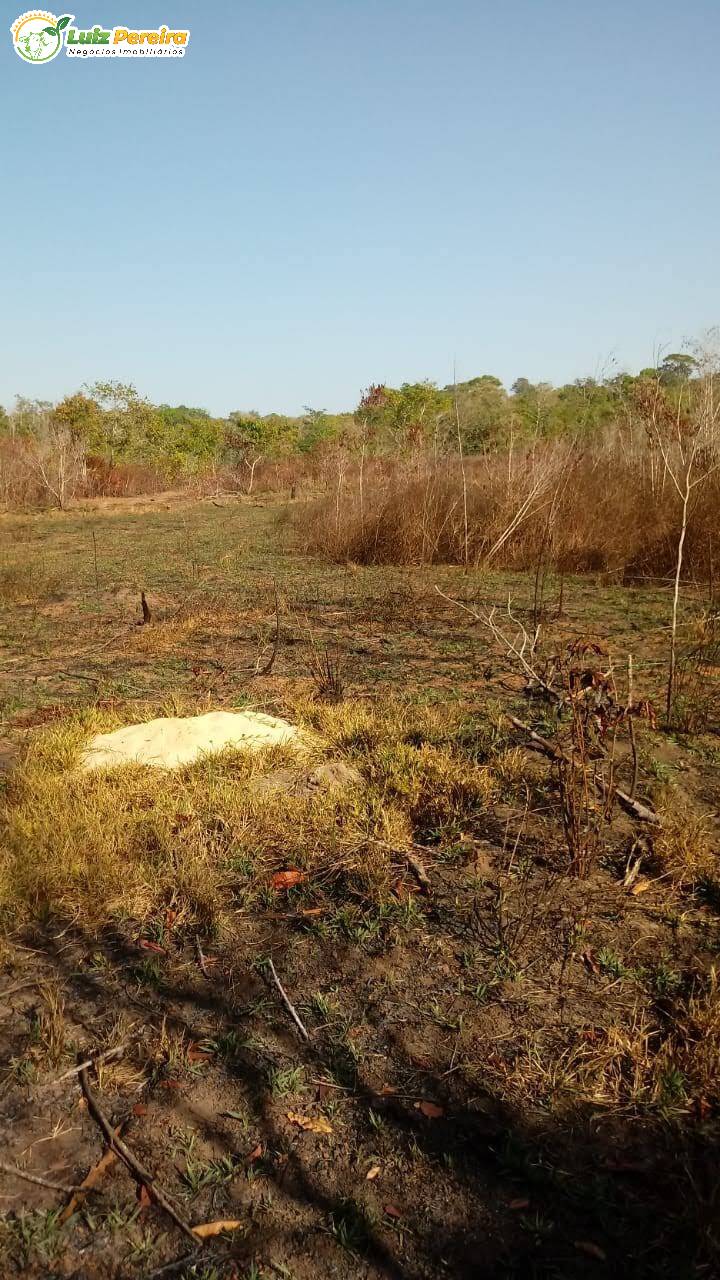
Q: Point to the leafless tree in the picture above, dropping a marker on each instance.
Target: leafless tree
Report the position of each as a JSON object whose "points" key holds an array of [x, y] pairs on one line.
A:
{"points": [[687, 441], [57, 462]]}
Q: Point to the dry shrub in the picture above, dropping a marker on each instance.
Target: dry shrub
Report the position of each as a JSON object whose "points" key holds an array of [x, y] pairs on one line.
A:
{"points": [[327, 670], [123, 479], [431, 783], [657, 1066], [600, 508], [19, 487], [684, 846], [290, 476], [54, 470], [693, 1049], [50, 1027], [695, 702]]}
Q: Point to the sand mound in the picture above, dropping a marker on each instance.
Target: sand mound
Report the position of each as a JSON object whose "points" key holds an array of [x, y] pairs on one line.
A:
{"points": [[173, 741]]}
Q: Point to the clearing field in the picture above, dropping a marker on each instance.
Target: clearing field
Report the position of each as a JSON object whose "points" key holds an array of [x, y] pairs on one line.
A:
{"points": [[427, 1005]]}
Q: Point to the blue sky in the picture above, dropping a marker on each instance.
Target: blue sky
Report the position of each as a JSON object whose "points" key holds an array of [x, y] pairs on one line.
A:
{"points": [[326, 194]]}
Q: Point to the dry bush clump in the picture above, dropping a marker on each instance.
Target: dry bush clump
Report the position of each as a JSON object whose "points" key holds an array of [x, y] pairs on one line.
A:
{"points": [[327, 670], [600, 508], [693, 1049], [105, 479], [55, 470], [684, 846], [695, 694], [651, 1065], [50, 1030], [432, 784]]}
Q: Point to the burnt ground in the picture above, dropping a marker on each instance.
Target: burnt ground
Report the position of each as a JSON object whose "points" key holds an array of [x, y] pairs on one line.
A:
{"points": [[509, 1073]]}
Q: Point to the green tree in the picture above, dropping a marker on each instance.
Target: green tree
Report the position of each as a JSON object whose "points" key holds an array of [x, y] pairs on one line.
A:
{"points": [[131, 428], [677, 368], [82, 417], [189, 436], [485, 413]]}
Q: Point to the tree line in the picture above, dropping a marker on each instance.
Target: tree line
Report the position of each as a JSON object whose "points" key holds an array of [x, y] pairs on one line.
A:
{"points": [[111, 423]]}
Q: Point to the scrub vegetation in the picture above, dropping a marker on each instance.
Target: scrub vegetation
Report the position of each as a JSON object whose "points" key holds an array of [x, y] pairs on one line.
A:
{"points": [[442, 998]]}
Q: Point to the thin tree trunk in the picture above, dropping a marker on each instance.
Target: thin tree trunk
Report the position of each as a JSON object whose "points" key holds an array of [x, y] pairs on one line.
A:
{"points": [[362, 490], [462, 471], [676, 597]]}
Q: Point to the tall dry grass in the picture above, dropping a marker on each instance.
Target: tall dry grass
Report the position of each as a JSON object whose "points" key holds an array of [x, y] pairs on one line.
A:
{"points": [[608, 507]]}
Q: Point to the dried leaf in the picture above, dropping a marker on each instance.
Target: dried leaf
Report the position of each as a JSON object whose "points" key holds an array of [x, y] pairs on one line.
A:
{"points": [[255, 1154], [640, 886], [593, 1035], [91, 1180], [207, 1229], [373, 1173], [391, 1211], [515, 1205], [592, 1250], [196, 1054], [430, 1109], [146, 945], [288, 879], [139, 1109], [144, 1197], [309, 1123]]}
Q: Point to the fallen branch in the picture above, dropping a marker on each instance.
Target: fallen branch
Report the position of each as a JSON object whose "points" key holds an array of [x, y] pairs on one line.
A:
{"points": [[77, 675], [286, 1001], [635, 807], [69, 1189], [116, 1144], [182, 1264]]}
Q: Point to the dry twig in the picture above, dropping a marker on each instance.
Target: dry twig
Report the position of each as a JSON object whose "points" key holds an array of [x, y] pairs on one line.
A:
{"points": [[286, 1001], [105, 1056], [69, 1189], [116, 1144], [634, 807]]}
